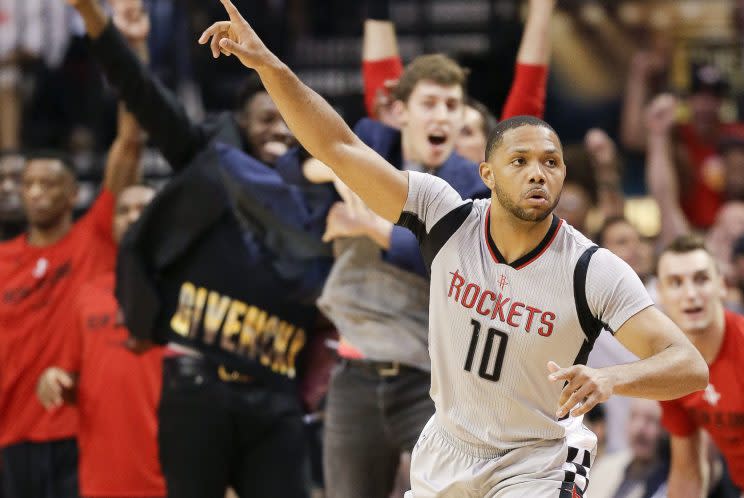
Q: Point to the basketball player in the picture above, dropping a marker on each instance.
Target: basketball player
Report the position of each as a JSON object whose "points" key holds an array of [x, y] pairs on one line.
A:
{"points": [[514, 293]]}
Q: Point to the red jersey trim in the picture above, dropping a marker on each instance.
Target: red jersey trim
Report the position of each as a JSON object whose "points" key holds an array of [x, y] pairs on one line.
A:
{"points": [[531, 256]]}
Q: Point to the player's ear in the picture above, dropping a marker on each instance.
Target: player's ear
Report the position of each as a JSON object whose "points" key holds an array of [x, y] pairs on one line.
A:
{"points": [[486, 174]]}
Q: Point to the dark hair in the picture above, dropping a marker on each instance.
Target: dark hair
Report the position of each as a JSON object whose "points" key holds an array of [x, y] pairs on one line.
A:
{"points": [[52, 155], [606, 225], [497, 135], [247, 90], [489, 120], [685, 244], [435, 67]]}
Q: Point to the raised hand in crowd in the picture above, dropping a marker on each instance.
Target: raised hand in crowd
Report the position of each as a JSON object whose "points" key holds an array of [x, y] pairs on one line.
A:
{"points": [[661, 175], [646, 66], [352, 218], [661, 114], [131, 19], [605, 161]]}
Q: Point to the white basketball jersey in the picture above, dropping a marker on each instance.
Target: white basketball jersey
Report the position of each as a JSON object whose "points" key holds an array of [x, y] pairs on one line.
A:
{"points": [[494, 326]]}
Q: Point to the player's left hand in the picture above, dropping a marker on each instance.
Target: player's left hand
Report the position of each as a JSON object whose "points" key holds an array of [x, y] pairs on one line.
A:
{"points": [[585, 386]]}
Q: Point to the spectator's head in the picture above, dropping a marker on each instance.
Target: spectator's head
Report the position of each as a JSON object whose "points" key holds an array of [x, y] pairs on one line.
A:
{"points": [[644, 429], [478, 124], [732, 152], [574, 205], [524, 167], [129, 206], [49, 190], [11, 174], [429, 103], [691, 288], [737, 261], [266, 134], [708, 88], [619, 236]]}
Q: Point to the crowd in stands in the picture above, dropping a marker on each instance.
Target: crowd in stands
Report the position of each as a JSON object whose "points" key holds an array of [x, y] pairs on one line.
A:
{"points": [[189, 298]]}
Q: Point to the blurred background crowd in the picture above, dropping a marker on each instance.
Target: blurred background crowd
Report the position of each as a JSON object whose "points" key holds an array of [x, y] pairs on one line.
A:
{"points": [[646, 95]]}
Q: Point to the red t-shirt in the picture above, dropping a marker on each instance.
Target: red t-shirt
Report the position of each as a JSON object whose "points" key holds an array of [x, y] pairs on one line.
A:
{"points": [[702, 201], [720, 408], [118, 394], [36, 286]]}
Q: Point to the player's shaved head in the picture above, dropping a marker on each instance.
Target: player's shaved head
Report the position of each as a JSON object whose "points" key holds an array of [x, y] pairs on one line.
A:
{"points": [[497, 134]]}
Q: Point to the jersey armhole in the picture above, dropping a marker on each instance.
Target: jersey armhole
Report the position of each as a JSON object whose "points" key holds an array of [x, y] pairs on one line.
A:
{"points": [[590, 324], [440, 233]]}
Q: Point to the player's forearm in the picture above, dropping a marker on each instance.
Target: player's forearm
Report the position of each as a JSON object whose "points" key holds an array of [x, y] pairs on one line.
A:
{"points": [[673, 372], [325, 135], [535, 46]]}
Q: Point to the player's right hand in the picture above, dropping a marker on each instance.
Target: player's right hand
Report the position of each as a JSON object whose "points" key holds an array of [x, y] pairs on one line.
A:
{"points": [[54, 384], [236, 37]]}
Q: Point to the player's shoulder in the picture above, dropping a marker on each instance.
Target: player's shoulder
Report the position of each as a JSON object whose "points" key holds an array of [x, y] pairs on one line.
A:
{"points": [[570, 242]]}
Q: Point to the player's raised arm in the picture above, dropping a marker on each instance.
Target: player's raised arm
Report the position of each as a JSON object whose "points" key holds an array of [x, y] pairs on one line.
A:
{"points": [[316, 125]]}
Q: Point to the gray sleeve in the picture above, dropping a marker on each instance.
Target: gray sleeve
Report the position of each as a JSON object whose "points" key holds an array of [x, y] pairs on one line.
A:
{"points": [[613, 290], [429, 199]]}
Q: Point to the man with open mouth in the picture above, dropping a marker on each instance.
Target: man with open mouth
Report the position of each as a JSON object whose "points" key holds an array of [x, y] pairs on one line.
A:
{"points": [[692, 291]]}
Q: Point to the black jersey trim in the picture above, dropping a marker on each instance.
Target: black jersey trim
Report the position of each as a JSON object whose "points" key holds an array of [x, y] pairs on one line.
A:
{"points": [[590, 324], [441, 232], [530, 256]]}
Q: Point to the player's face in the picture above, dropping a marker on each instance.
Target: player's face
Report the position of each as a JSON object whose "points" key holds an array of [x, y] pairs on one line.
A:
{"points": [[644, 429], [49, 192], [472, 139], [11, 174], [265, 129], [691, 290], [431, 121], [129, 206], [526, 172]]}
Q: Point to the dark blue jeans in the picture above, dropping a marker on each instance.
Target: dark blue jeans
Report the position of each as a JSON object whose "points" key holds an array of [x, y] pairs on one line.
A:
{"points": [[370, 420], [41, 470], [214, 434]]}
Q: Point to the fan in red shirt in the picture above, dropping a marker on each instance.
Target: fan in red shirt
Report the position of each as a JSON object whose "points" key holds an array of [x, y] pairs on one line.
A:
{"points": [[39, 271], [692, 291], [117, 392]]}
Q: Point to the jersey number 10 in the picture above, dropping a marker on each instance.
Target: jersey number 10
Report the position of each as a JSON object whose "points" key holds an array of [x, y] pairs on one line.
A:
{"points": [[487, 349]]}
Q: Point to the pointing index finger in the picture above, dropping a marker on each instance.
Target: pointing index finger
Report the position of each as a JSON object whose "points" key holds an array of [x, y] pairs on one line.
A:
{"points": [[232, 11]]}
